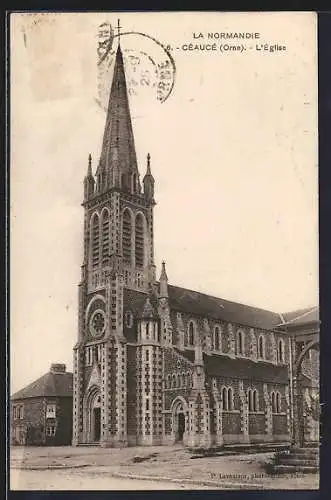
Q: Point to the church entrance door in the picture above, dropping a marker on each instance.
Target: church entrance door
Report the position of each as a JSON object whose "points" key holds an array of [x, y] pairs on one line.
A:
{"points": [[181, 426], [96, 424], [92, 418]]}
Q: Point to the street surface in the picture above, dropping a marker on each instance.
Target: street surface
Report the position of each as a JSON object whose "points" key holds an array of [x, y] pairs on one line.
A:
{"points": [[71, 479], [144, 468]]}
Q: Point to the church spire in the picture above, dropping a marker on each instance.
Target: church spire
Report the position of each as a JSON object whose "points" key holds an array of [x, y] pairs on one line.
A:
{"points": [[89, 166], [89, 180], [148, 164], [163, 283], [118, 161], [148, 181]]}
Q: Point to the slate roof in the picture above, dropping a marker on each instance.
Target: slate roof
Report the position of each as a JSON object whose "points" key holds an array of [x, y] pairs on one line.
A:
{"points": [[49, 385], [218, 365], [201, 304], [301, 316], [188, 354], [135, 301]]}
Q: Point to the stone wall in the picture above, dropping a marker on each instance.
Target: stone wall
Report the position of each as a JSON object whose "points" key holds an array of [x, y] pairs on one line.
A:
{"points": [[279, 424], [33, 424], [231, 422], [63, 422], [131, 394], [256, 423]]}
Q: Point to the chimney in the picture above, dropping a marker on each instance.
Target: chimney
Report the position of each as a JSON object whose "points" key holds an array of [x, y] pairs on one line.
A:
{"points": [[58, 368]]}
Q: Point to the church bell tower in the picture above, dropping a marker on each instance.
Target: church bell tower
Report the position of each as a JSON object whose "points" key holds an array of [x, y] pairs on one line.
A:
{"points": [[118, 254]]}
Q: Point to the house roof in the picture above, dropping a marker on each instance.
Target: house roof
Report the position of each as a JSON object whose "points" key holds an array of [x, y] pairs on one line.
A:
{"points": [[52, 384]]}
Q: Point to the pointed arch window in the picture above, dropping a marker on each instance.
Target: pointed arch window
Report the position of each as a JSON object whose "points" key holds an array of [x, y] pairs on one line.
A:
{"points": [[281, 351], [139, 241], [230, 399], [217, 339], [105, 237], [148, 329], [95, 241], [179, 380], [224, 399], [253, 400], [191, 333], [168, 382], [227, 399], [273, 402], [240, 343], [126, 236], [250, 400], [174, 381], [261, 347], [278, 403]]}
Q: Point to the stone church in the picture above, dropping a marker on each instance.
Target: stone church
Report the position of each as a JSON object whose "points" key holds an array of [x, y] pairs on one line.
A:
{"points": [[155, 363]]}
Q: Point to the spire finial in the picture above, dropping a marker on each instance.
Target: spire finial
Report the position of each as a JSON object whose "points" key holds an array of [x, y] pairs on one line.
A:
{"points": [[163, 271], [89, 167], [163, 283], [148, 163], [119, 31]]}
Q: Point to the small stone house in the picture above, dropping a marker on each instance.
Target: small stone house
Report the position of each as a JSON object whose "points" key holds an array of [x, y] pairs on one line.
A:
{"points": [[41, 413]]}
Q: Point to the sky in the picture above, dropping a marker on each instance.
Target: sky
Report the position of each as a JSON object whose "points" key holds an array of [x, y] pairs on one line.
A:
{"points": [[233, 153]]}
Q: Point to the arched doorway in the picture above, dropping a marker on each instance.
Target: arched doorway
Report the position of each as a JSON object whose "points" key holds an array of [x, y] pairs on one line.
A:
{"points": [[179, 411], [96, 419], [92, 411], [180, 426]]}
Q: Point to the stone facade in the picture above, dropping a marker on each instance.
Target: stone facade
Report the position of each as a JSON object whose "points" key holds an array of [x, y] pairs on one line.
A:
{"points": [[155, 363]]}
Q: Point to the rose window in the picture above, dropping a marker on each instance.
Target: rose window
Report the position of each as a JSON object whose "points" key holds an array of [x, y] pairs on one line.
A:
{"points": [[98, 323]]}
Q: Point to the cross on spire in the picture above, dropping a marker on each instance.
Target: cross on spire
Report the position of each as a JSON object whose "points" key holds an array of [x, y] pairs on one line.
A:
{"points": [[119, 30]]}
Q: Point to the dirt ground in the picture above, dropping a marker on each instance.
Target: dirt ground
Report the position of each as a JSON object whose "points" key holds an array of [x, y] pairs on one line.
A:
{"points": [[73, 480], [142, 468]]}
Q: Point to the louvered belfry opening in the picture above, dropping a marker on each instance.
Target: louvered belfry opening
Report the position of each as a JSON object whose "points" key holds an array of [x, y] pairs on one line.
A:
{"points": [[139, 241], [95, 241], [126, 236], [105, 237]]}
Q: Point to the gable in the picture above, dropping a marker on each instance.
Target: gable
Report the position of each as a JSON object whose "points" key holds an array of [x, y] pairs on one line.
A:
{"points": [[95, 379]]}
